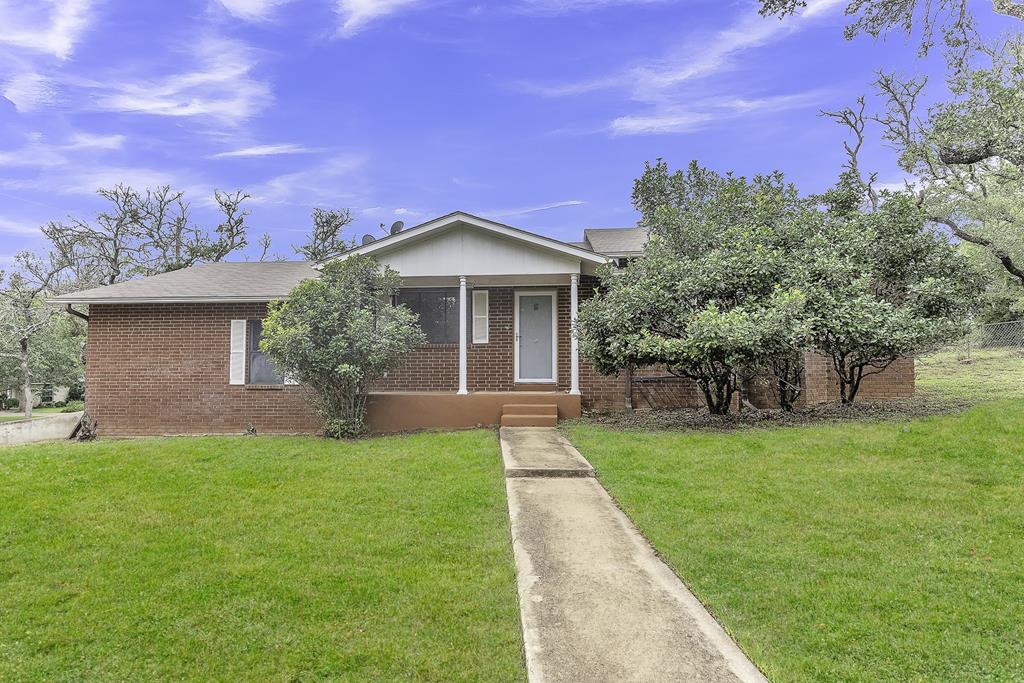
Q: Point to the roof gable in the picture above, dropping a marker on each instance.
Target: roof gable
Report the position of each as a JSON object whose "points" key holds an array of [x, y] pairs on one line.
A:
{"points": [[438, 226]]}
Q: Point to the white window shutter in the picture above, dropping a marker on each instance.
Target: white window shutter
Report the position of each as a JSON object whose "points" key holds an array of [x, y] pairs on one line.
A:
{"points": [[481, 303], [237, 360]]}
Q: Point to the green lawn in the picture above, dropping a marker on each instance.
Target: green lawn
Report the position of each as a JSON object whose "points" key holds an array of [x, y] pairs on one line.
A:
{"points": [[843, 552], [284, 559], [987, 374]]}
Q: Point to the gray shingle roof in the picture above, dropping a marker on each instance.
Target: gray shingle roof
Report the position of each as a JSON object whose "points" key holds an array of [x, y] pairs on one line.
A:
{"points": [[205, 282], [240, 282], [616, 241]]}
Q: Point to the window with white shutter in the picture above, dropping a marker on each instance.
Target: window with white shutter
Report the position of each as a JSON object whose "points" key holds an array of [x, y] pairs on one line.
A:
{"points": [[481, 303], [236, 362]]}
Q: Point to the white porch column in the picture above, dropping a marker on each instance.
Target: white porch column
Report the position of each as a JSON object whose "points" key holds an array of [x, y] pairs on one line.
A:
{"points": [[574, 306], [462, 335]]}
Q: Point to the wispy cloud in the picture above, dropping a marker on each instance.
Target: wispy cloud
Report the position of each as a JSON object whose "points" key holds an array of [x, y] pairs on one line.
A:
{"points": [[252, 10], [564, 6], [93, 141], [38, 153], [85, 180], [11, 226], [407, 213], [29, 91], [48, 26], [651, 81], [702, 113], [669, 84], [356, 14], [319, 183], [667, 121], [263, 151], [221, 87], [505, 213]]}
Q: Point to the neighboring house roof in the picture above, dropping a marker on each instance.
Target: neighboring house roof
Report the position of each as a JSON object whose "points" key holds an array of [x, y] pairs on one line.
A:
{"points": [[616, 241], [462, 218], [207, 282]]}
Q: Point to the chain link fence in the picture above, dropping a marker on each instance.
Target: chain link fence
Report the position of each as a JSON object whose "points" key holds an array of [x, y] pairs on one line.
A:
{"points": [[997, 335], [987, 364]]}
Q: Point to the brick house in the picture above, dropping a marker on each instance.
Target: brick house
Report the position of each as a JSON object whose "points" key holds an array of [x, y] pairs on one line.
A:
{"points": [[178, 353]]}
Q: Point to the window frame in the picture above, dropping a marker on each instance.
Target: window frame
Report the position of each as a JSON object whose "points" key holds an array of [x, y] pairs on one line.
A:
{"points": [[252, 347], [485, 316], [446, 291]]}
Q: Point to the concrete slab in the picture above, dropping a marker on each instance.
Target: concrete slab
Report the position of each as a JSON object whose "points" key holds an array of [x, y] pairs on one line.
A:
{"points": [[49, 428], [541, 452], [597, 604]]}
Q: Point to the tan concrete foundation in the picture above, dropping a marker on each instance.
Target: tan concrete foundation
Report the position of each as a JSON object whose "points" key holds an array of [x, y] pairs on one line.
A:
{"points": [[408, 411]]}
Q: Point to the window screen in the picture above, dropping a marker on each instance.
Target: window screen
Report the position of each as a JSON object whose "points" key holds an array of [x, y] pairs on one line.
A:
{"points": [[261, 368], [438, 310]]}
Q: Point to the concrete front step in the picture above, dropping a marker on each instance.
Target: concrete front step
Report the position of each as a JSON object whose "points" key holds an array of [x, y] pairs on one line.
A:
{"points": [[529, 420], [529, 409], [540, 452]]}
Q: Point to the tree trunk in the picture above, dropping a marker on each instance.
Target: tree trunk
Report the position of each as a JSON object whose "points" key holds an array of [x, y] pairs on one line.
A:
{"points": [[718, 397], [789, 372], [26, 379], [628, 389], [853, 384], [849, 384]]}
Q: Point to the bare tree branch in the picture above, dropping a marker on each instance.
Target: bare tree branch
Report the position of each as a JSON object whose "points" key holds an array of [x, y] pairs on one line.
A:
{"points": [[856, 121], [999, 253], [326, 239]]}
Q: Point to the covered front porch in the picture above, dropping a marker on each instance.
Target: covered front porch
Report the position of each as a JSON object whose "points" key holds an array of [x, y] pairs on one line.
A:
{"points": [[499, 307], [493, 341]]}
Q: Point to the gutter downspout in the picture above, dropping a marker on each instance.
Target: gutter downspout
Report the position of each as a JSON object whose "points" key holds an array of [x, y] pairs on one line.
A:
{"points": [[77, 314]]}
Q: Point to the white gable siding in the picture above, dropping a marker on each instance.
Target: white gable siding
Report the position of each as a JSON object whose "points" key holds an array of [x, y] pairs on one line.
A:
{"points": [[470, 251]]}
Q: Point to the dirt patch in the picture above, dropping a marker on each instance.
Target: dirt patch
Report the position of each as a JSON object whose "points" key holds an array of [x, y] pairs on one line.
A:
{"points": [[690, 418]]}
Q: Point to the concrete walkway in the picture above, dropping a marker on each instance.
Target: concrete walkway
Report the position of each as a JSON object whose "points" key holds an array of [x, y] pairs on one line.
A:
{"points": [[597, 604]]}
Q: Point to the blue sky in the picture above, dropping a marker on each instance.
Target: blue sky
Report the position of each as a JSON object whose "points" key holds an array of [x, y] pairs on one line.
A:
{"points": [[538, 113]]}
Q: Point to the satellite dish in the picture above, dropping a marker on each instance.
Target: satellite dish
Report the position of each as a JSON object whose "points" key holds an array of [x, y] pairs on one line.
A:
{"points": [[397, 227], [367, 238]]}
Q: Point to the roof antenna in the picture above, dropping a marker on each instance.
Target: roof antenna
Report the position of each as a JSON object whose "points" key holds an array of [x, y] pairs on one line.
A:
{"points": [[397, 227], [367, 238]]}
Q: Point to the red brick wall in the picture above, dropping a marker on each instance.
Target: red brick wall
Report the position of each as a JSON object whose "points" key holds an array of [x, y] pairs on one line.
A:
{"points": [[822, 385], [163, 369]]}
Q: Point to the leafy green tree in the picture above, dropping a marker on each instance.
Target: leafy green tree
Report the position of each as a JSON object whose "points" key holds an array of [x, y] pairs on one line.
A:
{"points": [[967, 153], [714, 297], [338, 333], [1003, 298], [37, 343], [954, 19], [881, 284]]}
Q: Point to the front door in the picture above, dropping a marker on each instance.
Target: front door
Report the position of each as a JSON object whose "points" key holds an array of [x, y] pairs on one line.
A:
{"points": [[535, 337]]}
